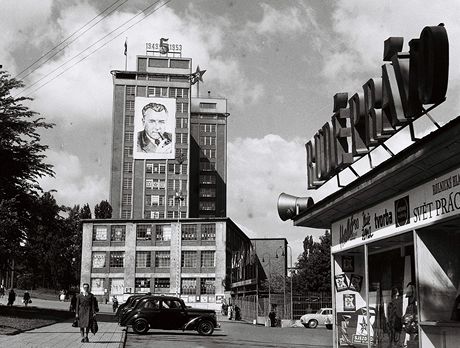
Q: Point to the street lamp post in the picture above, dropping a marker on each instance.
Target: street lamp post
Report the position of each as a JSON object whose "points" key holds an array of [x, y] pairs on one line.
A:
{"points": [[269, 280], [284, 280], [290, 258]]}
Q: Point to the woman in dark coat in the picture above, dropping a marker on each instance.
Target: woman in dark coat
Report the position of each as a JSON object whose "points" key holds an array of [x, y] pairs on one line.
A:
{"points": [[86, 309]]}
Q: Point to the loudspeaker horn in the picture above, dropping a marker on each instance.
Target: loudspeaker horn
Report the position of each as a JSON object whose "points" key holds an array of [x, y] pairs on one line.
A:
{"points": [[289, 206]]}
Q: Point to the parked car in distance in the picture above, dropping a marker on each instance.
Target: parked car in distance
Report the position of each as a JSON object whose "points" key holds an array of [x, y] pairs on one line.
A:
{"points": [[319, 318], [167, 313]]}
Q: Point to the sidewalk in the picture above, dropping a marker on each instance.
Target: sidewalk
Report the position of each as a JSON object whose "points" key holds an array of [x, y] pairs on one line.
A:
{"points": [[60, 335]]}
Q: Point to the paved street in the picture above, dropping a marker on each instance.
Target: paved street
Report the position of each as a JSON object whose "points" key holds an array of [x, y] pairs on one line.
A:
{"points": [[62, 334], [234, 334]]}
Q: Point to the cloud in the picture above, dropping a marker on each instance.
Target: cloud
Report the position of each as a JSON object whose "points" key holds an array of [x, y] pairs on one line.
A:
{"points": [[355, 49], [259, 169], [71, 183], [291, 20]]}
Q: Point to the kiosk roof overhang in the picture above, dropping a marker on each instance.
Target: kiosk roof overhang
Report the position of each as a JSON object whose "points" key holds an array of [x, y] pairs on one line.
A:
{"points": [[432, 155]]}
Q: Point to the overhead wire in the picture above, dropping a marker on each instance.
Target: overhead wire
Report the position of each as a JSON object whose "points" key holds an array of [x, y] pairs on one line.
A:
{"points": [[69, 37], [107, 42]]}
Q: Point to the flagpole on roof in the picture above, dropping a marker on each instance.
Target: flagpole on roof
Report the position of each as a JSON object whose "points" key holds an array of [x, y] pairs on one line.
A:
{"points": [[126, 54]]}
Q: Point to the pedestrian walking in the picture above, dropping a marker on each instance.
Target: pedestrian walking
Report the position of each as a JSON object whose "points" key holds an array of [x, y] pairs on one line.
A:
{"points": [[73, 302], [114, 303], [230, 312], [11, 297], [62, 295], [272, 317], [86, 309], [2, 291], [26, 298]]}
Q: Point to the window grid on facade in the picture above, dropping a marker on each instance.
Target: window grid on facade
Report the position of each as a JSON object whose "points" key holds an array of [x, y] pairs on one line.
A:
{"points": [[99, 232], [128, 167], [117, 259], [207, 179], [207, 286], [117, 233], [208, 140], [129, 137], [206, 166], [182, 138], [163, 232], [207, 192], [208, 258], [129, 120], [162, 283], [144, 232], [162, 259], [188, 286], [130, 90], [141, 285], [189, 232], [209, 206], [98, 259], [208, 105], [157, 92], [208, 153], [155, 168], [207, 128], [128, 151], [189, 259], [130, 105], [127, 183], [126, 199], [181, 123], [143, 259], [155, 184], [208, 232], [156, 200], [125, 214], [181, 153], [156, 215]]}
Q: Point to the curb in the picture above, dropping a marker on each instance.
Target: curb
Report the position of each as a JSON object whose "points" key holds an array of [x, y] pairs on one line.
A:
{"points": [[123, 338]]}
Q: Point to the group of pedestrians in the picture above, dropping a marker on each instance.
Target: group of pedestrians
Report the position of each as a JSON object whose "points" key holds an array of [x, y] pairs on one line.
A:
{"points": [[26, 298]]}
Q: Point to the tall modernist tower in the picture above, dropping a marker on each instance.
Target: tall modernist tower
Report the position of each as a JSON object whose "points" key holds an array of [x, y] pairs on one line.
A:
{"points": [[168, 155]]}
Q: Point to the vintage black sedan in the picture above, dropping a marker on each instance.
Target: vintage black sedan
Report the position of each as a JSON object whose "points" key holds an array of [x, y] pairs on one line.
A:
{"points": [[167, 313]]}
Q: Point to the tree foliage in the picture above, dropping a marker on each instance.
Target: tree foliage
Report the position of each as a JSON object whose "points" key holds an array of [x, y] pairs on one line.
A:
{"points": [[314, 265], [22, 164], [103, 210]]}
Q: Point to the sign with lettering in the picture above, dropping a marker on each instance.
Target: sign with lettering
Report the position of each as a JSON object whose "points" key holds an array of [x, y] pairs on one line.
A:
{"points": [[384, 106], [435, 200], [163, 47]]}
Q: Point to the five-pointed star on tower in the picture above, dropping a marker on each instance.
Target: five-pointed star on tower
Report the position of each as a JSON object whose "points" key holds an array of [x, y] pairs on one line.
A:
{"points": [[197, 75]]}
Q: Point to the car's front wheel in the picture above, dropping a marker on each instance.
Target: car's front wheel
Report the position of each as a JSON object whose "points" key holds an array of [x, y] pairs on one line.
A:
{"points": [[312, 324], [140, 326], [205, 327]]}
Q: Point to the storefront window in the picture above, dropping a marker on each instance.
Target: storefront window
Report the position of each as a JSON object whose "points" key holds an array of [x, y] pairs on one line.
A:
{"points": [[392, 297], [350, 298]]}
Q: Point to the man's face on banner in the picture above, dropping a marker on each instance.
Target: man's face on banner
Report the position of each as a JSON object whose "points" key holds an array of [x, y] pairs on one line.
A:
{"points": [[154, 123]]}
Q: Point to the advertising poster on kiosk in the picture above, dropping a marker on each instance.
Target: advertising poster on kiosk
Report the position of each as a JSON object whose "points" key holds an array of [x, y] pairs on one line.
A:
{"points": [[154, 128]]}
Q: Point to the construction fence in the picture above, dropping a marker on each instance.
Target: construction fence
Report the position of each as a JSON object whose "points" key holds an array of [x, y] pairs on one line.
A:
{"points": [[281, 303]]}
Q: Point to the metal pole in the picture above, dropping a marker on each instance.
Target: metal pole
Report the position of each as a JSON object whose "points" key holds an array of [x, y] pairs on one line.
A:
{"points": [[292, 313], [269, 286], [257, 289]]}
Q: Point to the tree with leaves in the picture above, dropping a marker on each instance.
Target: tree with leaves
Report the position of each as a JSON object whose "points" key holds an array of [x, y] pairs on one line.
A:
{"points": [[22, 164], [103, 210], [314, 265]]}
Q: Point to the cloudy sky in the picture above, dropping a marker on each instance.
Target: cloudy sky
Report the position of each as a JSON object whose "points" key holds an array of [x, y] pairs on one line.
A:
{"points": [[278, 63]]}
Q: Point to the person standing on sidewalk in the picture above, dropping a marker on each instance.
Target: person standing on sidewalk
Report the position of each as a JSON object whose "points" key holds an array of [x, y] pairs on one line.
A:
{"points": [[11, 297], [86, 309], [26, 298]]}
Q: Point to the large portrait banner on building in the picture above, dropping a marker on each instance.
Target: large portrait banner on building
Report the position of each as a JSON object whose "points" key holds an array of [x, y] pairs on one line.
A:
{"points": [[154, 128]]}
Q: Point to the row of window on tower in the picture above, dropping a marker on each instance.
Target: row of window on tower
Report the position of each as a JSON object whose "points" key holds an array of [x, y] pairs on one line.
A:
{"points": [[154, 91], [161, 285], [162, 259], [160, 232]]}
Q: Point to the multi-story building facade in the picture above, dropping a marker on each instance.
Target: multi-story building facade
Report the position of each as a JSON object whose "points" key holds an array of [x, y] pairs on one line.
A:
{"points": [[208, 157], [149, 187], [189, 257], [169, 232]]}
